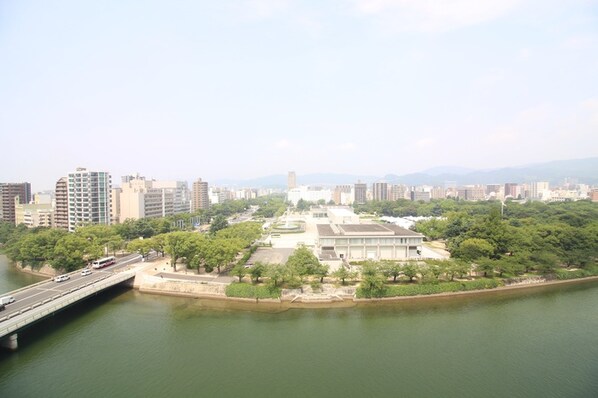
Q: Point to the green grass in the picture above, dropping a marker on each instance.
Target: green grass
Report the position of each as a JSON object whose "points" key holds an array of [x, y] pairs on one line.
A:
{"points": [[416, 289], [246, 290], [563, 274]]}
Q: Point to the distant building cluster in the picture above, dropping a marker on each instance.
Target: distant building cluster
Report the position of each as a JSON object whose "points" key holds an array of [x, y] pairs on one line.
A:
{"points": [[360, 193], [85, 197]]}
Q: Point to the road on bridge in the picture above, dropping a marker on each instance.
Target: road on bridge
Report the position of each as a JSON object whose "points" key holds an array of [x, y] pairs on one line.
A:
{"points": [[46, 290]]}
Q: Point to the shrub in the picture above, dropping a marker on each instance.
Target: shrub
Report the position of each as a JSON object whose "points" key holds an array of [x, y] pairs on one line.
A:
{"points": [[425, 289], [246, 290]]}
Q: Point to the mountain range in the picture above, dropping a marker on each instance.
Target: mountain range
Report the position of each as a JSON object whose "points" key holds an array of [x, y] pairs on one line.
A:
{"points": [[584, 171]]}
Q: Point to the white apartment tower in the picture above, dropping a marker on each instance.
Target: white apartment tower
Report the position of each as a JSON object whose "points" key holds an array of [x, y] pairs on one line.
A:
{"points": [[88, 198]]}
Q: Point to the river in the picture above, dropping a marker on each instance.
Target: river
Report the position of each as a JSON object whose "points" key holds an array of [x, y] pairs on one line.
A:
{"points": [[540, 343]]}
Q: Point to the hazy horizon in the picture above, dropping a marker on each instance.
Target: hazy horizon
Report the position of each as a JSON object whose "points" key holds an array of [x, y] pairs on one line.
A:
{"points": [[244, 89]]}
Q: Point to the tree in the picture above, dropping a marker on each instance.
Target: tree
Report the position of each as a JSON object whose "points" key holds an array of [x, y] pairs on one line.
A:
{"points": [[219, 222], [239, 271], [410, 270], [302, 205], [158, 243], [321, 270], [545, 262], [276, 273], [221, 252], [141, 246], [303, 261], [392, 268], [373, 282], [473, 248], [115, 243], [342, 274], [73, 251], [177, 245], [487, 266], [257, 271]]}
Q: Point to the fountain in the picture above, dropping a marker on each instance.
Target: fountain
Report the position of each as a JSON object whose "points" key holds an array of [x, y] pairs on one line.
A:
{"points": [[288, 226]]}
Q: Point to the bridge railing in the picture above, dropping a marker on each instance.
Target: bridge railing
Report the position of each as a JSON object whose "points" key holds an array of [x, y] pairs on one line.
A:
{"points": [[132, 257], [9, 324]]}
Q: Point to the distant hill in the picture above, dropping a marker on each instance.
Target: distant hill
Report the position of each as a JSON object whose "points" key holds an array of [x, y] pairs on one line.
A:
{"points": [[280, 180], [555, 172]]}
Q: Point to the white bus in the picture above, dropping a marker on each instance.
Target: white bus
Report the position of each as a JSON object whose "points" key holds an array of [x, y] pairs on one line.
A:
{"points": [[104, 262]]}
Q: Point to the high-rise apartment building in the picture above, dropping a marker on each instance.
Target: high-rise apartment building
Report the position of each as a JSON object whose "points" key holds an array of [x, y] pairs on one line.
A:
{"points": [[201, 197], [291, 180], [380, 191], [8, 193], [61, 204], [88, 198], [361, 193]]}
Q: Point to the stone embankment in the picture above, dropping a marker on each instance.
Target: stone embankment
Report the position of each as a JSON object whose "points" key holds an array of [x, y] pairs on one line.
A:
{"points": [[170, 286]]}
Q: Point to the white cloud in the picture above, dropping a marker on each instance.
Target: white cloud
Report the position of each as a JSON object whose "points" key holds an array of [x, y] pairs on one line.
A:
{"points": [[433, 15], [263, 9], [348, 146], [282, 144], [425, 142]]}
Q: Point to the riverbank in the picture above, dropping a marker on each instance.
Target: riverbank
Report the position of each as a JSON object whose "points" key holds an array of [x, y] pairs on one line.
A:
{"points": [[158, 278], [153, 279]]}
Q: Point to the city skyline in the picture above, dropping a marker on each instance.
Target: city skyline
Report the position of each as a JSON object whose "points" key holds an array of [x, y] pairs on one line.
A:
{"points": [[248, 89]]}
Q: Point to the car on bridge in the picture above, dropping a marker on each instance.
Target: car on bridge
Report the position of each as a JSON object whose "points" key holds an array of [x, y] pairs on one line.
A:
{"points": [[62, 278], [7, 300], [86, 272]]}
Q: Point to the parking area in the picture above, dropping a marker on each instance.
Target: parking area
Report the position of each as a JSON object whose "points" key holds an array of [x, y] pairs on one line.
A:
{"points": [[270, 255]]}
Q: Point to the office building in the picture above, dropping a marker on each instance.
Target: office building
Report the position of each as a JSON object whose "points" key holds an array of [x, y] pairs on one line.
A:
{"points": [[142, 198], [39, 213], [539, 190], [201, 196], [8, 193], [380, 191], [361, 192], [291, 180], [342, 195]]}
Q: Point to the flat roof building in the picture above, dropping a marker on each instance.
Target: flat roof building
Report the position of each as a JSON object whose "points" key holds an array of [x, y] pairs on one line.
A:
{"points": [[368, 241], [8, 192], [88, 198]]}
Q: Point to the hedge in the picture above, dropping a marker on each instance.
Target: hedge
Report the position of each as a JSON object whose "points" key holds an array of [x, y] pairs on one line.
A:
{"points": [[424, 289], [247, 290]]}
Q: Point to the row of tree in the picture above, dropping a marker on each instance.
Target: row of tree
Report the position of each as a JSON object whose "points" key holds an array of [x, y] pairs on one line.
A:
{"points": [[70, 251], [544, 242]]}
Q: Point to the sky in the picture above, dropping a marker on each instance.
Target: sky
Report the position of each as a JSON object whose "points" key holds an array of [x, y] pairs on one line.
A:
{"points": [[244, 89]]}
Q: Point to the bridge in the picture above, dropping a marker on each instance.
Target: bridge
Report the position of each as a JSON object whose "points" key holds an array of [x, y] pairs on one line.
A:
{"points": [[40, 300]]}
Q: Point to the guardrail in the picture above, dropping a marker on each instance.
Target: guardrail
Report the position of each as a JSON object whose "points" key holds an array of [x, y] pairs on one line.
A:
{"points": [[126, 259], [15, 321]]}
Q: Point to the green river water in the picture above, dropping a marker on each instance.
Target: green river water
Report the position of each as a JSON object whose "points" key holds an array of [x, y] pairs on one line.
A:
{"points": [[540, 343]]}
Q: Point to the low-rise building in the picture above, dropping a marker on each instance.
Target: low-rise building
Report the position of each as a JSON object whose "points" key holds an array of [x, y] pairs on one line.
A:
{"points": [[36, 214], [368, 241]]}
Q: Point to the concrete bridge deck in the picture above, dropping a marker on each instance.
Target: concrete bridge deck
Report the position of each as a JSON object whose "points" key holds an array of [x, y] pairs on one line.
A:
{"points": [[37, 301]]}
